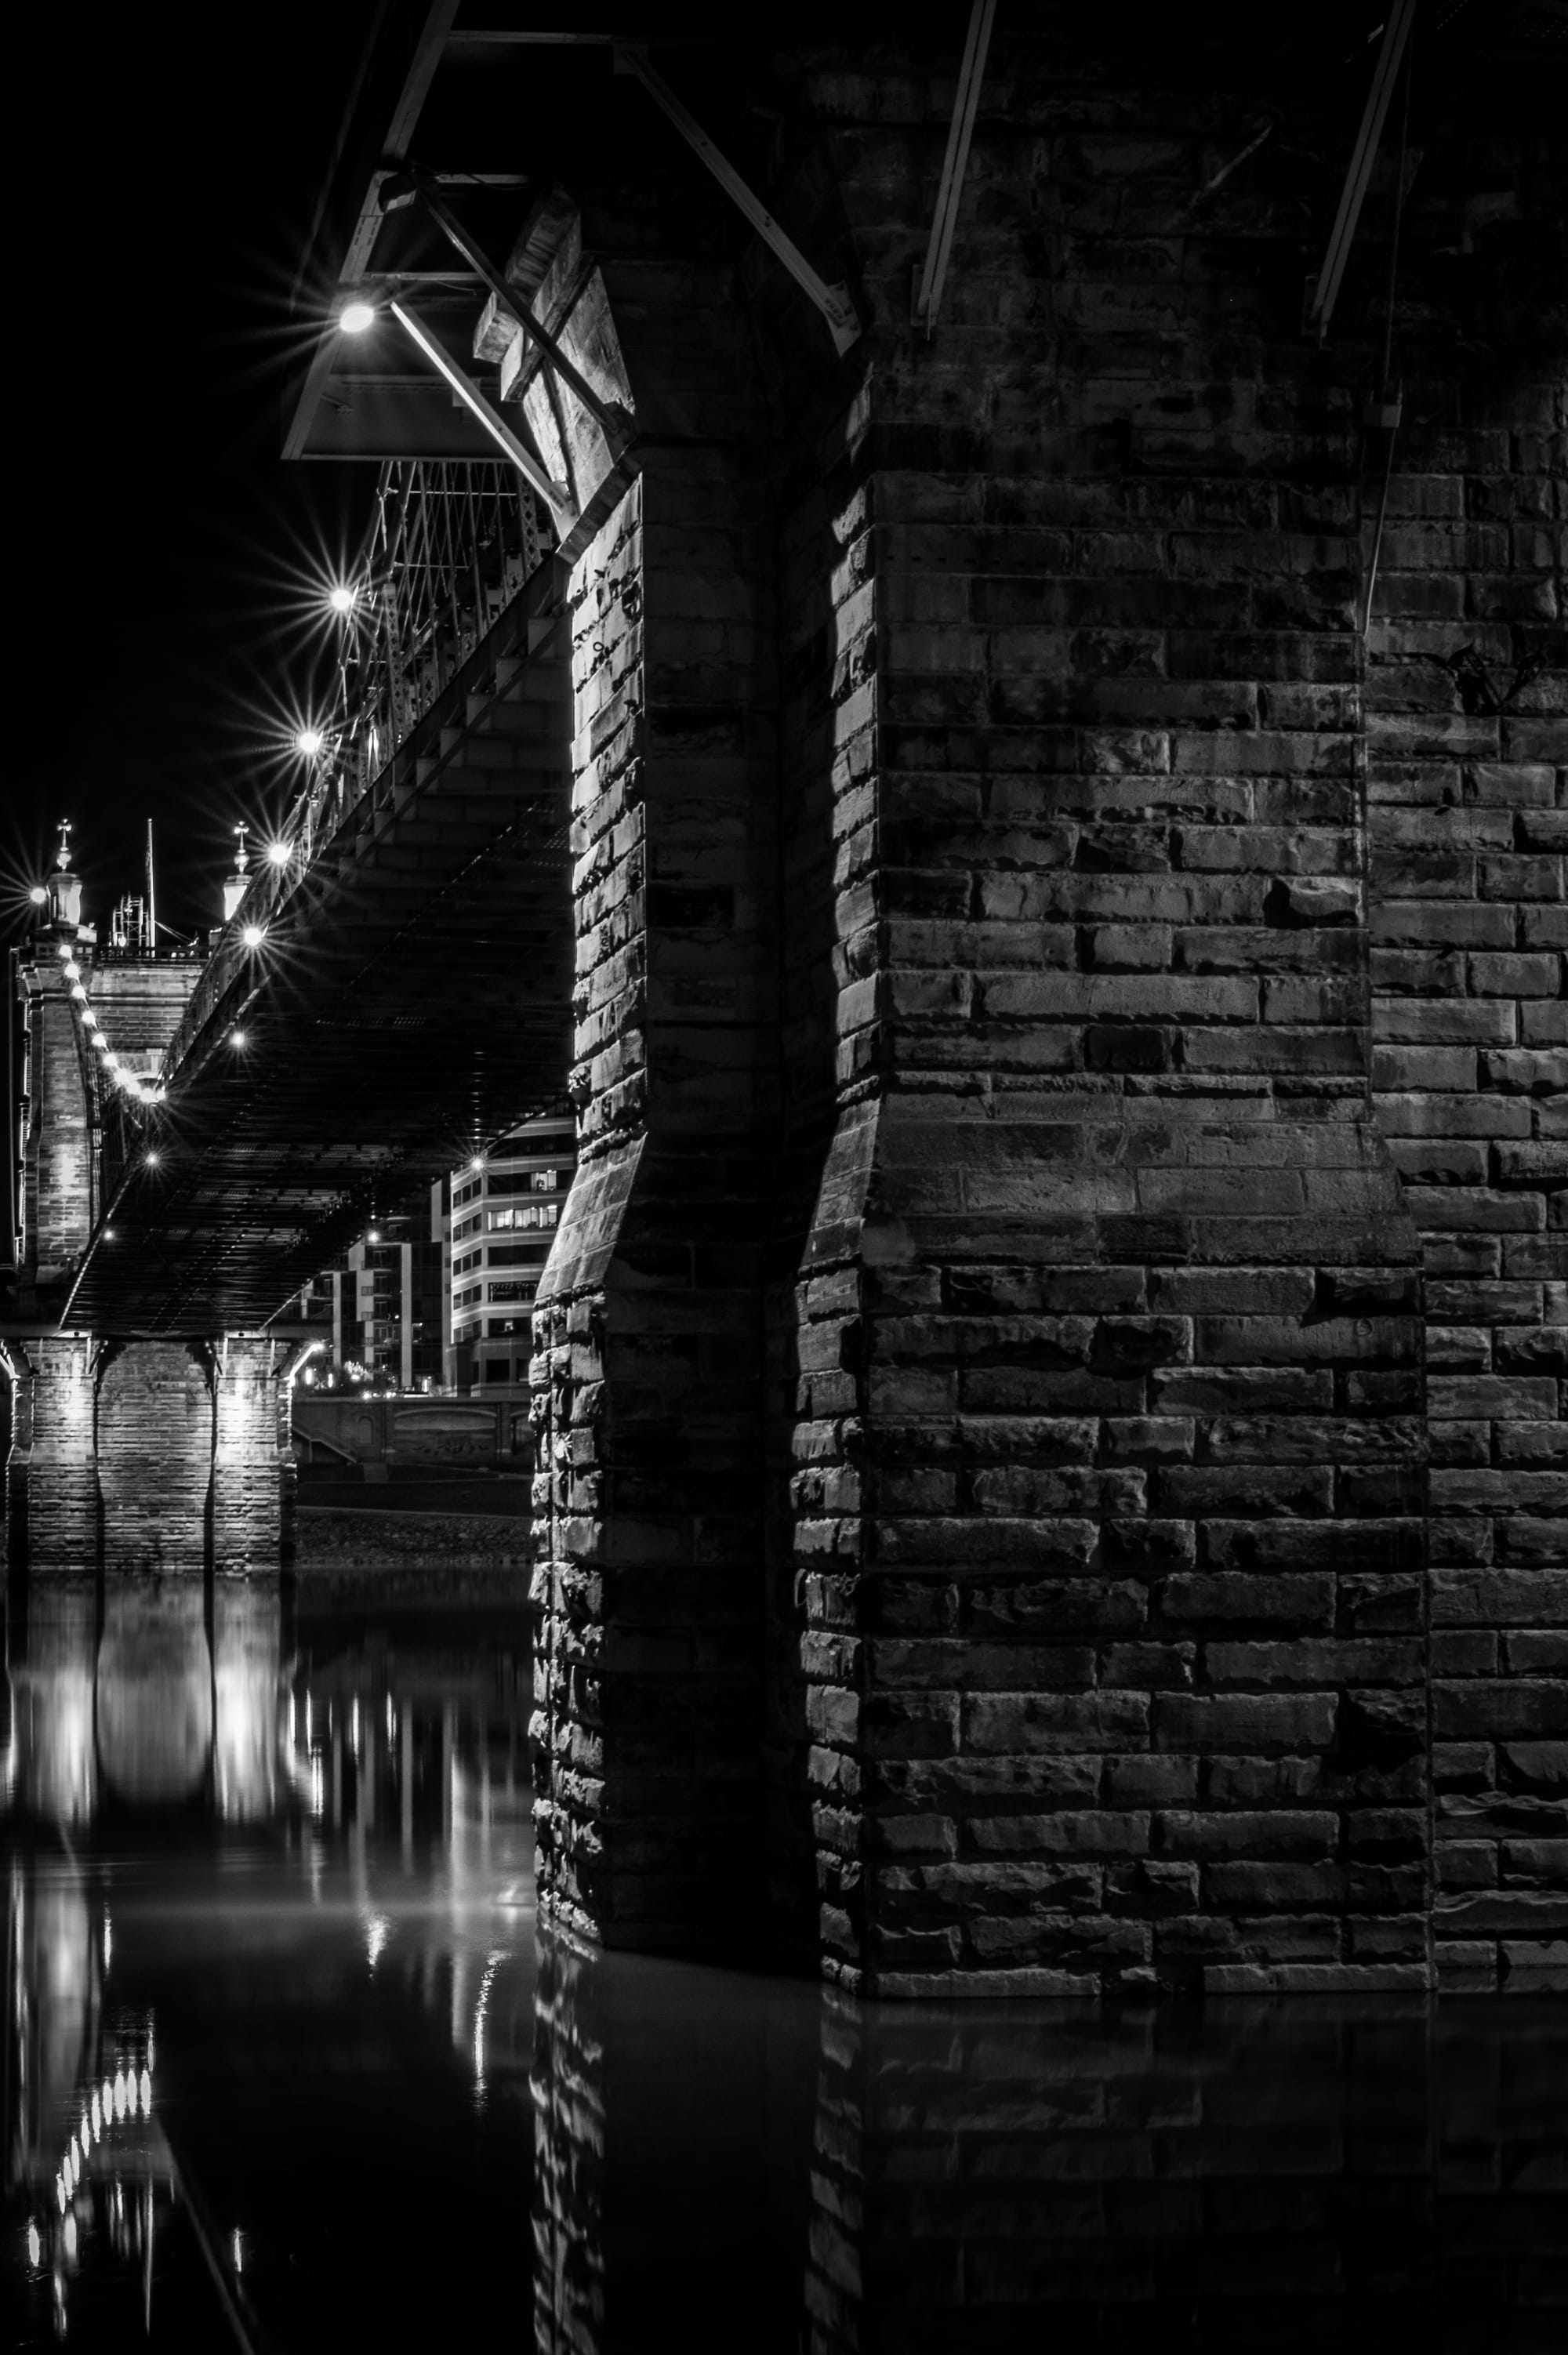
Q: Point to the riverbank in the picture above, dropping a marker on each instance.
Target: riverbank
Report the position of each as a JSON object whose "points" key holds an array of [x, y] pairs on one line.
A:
{"points": [[405, 1558]]}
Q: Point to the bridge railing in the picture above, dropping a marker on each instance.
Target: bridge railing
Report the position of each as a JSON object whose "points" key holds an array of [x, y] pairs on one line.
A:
{"points": [[335, 803], [450, 546]]}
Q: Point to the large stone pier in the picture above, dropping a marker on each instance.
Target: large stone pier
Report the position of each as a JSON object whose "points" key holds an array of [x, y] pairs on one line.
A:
{"points": [[1058, 951]]}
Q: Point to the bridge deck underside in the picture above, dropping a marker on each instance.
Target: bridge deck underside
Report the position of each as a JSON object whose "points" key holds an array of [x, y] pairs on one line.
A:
{"points": [[409, 1001]]}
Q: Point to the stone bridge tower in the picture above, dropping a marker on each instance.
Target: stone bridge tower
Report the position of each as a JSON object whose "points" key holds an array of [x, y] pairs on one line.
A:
{"points": [[126, 1453]]}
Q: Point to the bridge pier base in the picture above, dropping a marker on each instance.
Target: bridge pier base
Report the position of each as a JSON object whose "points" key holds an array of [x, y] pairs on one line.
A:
{"points": [[51, 1474], [979, 1365], [140, 1456], [253, 1477], [648, 1399]]}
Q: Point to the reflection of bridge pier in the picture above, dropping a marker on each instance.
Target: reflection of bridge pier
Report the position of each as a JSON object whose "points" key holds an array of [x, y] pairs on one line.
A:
{"points": [[147, 1692]]}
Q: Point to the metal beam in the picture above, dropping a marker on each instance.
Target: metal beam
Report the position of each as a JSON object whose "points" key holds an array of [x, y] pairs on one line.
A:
{"points": [[370, 149], [1325, 292], [613, 422], [527, 464], [956, 162], [833, 301]]}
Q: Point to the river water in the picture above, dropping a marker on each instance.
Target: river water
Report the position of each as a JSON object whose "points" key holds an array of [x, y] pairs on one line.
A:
{"points": [[289, 2065]]}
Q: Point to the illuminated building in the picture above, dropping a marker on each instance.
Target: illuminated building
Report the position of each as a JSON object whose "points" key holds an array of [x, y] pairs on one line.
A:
{"points": [[379, 1312], [496, 1217]]}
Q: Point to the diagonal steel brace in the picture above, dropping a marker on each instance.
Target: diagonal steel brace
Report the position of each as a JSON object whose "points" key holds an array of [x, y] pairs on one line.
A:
{"points": [[406, 187], [833, 301], [1326, 291], [956, 162]]}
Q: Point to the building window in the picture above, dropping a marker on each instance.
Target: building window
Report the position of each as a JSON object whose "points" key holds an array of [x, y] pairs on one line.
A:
{"points": [[523, 1214], [526, 1181], [524, 1289]]}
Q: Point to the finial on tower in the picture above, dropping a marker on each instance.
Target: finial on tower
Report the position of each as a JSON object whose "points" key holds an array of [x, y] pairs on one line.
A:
{"points": [[64, 888], [235, 886]]}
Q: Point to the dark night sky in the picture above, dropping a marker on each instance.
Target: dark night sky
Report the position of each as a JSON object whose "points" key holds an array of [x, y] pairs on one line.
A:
{"points": [[169, 162]]}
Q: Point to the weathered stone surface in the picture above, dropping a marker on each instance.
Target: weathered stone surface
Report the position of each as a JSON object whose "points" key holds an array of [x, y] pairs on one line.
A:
{"points": [[1051, 988]]}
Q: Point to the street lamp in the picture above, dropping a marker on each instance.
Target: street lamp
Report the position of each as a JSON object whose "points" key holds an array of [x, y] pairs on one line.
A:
{"points": [[342, 598], [309, 741], [254, 935], [356, 317]]}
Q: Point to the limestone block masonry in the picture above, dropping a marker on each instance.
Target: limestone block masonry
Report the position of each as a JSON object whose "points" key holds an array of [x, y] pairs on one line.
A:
{"points": [[1063, 1049]]}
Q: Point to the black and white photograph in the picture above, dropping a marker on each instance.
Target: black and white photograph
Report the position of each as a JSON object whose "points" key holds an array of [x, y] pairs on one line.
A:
{"points": [[783, 1311]]}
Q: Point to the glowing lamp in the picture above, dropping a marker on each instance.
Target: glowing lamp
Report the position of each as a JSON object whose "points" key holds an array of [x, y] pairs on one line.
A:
{"points": [[278, 854], [78, 993], [356, 317], [71, 970], [237, 1038], [38, 896], [309, 741], [341, 598], [99, 1042], [254, 935], [374, 1235], [477, 1162], [62, 948], [150, 1158]]}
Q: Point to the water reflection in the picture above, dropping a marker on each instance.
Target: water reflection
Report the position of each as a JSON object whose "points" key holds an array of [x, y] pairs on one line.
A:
{"points": [[238, 1832], [150, 1693], [287, 2064]]}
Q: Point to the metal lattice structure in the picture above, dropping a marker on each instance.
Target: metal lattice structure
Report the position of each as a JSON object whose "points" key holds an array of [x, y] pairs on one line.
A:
{"points": [[451, 543]]}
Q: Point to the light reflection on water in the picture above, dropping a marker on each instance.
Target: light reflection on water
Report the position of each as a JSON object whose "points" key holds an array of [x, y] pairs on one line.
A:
{"points": [[287, 2065]]}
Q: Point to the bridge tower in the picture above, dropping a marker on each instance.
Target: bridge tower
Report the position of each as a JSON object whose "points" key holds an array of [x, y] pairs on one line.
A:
{"points": [[134, 1453]]}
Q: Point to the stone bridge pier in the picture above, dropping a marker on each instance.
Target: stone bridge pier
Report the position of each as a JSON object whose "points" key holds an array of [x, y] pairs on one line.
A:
{"points": [[983, 1507], [127, 1454]]}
